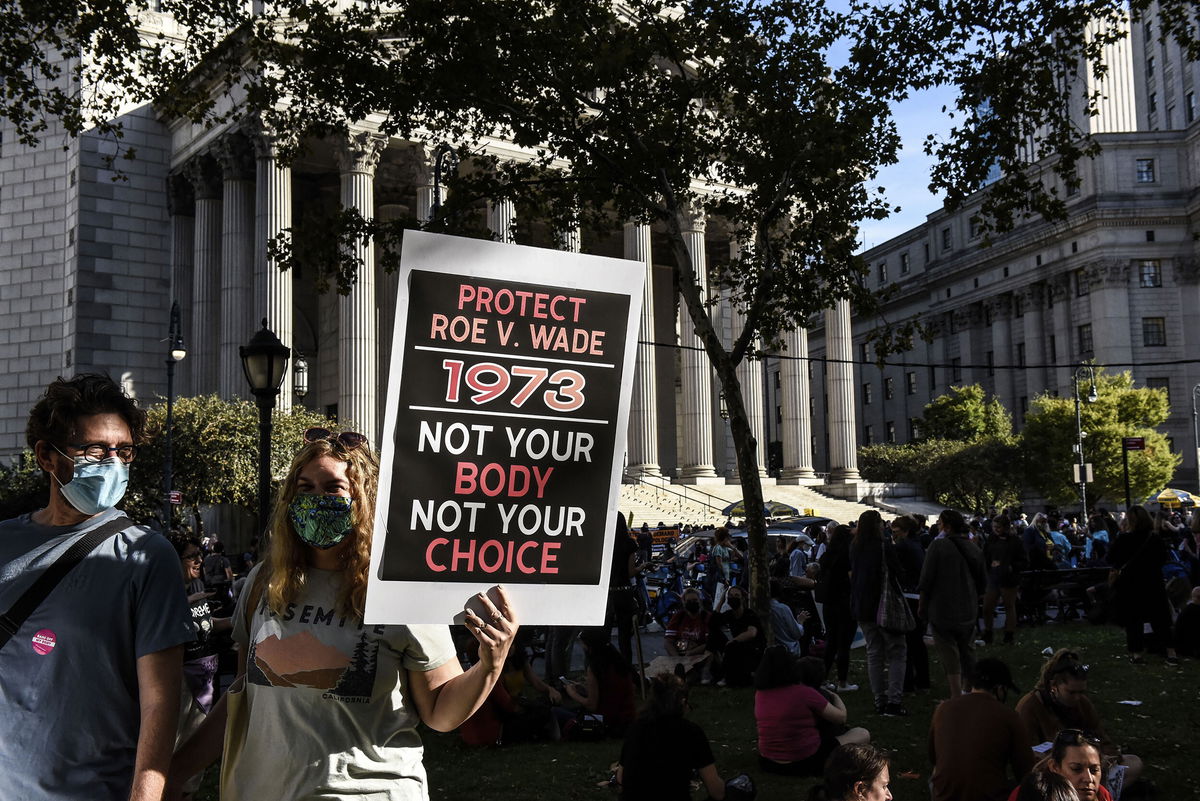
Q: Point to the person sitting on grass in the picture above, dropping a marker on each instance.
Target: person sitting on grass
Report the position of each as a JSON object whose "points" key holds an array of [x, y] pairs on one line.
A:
{"points": [[1074, 760], [687, 631], [663, 749], [787, 713], [736, 656], [854, 772], [607, 690], [1060, 701]]}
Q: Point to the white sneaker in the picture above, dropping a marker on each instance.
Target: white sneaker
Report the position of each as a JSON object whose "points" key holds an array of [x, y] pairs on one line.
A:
{"points": [[847, 688], [830, 685]]}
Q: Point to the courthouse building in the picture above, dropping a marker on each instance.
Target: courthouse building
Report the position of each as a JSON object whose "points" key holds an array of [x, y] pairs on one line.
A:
{"points": [[90, 265]]}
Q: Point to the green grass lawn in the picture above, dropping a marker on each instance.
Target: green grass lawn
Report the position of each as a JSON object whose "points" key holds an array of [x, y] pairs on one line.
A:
{"points": [[1164, 730]]}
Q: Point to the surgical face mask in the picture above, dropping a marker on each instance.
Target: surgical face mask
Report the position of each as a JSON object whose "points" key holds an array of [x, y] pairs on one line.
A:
{"points": [[95, 486], [322, 521]]}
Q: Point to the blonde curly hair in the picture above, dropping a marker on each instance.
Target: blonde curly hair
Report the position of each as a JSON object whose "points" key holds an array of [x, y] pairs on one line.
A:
{"points": [[286, 564]]}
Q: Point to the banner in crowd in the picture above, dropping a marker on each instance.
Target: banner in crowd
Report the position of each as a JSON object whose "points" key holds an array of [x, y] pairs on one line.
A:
{"points": [[504, 430]]}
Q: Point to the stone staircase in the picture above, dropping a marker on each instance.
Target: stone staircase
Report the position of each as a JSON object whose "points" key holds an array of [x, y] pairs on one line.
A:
{"points": [[675, 503]]}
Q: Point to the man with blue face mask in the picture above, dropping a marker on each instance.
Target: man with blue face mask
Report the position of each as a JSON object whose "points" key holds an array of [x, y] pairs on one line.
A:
{"points": [[89, 680]]}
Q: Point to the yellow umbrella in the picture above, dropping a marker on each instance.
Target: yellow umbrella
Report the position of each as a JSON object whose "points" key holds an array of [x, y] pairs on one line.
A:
{"points": [[1174, 498]]}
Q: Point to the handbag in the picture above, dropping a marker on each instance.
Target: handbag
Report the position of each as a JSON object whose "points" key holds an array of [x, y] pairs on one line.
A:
{"points": [[893, 613], [32, 598]]}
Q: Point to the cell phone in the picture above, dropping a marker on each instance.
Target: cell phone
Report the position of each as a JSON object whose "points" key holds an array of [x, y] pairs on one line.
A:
{"points": [[565, 680], [475, 605]]}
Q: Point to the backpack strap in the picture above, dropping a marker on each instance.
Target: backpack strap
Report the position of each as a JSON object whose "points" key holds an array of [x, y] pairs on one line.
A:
{"points": [[12, 620]]}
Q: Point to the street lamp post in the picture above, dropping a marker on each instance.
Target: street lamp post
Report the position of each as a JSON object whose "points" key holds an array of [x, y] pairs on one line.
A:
{"points": [[175, 353], [1083, 369], [264, 361], [1196, 433]]}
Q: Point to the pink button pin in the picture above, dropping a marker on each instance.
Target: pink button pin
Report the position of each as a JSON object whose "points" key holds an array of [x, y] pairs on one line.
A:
{"points": [[44, 641]]}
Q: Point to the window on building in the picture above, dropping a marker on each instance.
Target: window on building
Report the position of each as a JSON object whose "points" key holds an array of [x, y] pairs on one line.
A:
{"points": [[1150, 67], [889, 388], [778, 415], [883, 272], [890, 431], [976, 227], [1154, 331], [956, 369], [904, 264], [810, 369], [914, 428], [864, 354], [1085, 338], [1169, 118], [776, 379], [866, 392], [1038, 260], [868, 435], [1145, 171], [1073, 187], [1024, 406], [910, 383], [991, 362], [1053, 348], [1150, 236], [1150, 273], [1163, 383], [1152, 102], [1189, 107], [812, 407], [1082, 285], [925, 247], [1020, 354], [946, 241]]}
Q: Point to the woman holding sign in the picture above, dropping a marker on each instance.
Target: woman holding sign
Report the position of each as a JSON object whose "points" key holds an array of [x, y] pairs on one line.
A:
{"points": [[324, 706]]}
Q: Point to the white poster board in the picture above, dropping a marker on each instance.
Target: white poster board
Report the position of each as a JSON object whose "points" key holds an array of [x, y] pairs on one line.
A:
{"points": [[504, 430]]}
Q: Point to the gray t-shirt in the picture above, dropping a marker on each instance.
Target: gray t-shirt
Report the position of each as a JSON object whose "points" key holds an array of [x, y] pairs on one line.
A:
{"points": [[330, 715], [69, 713]]}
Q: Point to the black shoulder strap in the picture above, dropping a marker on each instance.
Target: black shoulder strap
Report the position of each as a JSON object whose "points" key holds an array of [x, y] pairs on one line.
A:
{"points": [[11, 621]]}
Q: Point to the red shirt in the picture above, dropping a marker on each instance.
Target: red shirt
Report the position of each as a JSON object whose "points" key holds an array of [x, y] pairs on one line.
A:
{"points": [[687, 631], [787, 722]]}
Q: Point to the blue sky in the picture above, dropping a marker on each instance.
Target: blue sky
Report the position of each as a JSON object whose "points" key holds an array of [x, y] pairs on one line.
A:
{"points": [[907, 182]]}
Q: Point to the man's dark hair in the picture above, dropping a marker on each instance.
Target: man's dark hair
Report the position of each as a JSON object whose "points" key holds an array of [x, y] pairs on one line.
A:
{"points": [[218, 547], [54, 416]]}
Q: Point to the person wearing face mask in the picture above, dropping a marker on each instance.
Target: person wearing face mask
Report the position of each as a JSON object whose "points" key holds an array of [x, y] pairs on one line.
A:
{"points": [[1073, 761], [688, 632], [736, 654], [90, 675], [978, 745], [323, 705]]}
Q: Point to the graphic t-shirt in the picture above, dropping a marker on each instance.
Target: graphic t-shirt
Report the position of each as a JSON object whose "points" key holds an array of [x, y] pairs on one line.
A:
{"points": [[69, 712], [330, 712]]}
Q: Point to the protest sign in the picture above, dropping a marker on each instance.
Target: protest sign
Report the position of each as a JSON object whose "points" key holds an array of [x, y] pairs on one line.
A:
{"points": [[504, 430]]}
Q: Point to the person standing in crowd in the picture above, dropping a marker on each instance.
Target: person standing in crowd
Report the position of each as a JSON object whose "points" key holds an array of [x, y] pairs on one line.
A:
{"points": [[1060, 701], [348, 697], [788, 713], [1004, 558], [199, 656], [217, 567], [663, 749], [833, 589], [872, 561], [978, 745], [89, 681], [951, 580], [1039, 548], [1074, 761], [1139, 594], [622, 598], [911, 557], [716, 570]]}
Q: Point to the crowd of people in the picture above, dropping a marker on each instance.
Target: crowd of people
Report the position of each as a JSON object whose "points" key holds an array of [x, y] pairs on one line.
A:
{"points": [[128, 634]]}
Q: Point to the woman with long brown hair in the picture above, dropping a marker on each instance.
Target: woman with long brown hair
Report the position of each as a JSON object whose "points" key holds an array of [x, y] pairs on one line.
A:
{"points": [[325, 706]]}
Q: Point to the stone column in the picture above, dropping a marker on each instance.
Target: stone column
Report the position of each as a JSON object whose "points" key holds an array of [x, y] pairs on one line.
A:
{"points": [[1000, 310], [501, 215], [750, 376], [237, 261], [696, 464], [1034, 301], [181, 204], [204, 345], [571, 240], [425, 189], [843, 428], [965, 321], [643, 409], [795, 393], [1185, 271], [389, 284], [1064, 342], [1112, 336], [273, 286], [358, 387]]}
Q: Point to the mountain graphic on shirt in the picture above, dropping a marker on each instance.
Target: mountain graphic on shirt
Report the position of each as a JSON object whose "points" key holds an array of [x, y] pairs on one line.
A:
{"points": [[298, 661]]}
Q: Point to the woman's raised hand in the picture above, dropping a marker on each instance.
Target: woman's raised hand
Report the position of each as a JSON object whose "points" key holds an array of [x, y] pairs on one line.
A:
{"points": [[495, 629]]}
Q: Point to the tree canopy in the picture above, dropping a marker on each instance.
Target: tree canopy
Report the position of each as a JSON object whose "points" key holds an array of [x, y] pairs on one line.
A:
{"points": [[966, 414]]}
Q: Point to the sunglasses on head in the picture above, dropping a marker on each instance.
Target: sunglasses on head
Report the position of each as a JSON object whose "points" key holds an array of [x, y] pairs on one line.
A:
{"points": [[1076, 737], [1072, 667], [348, 440]]}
